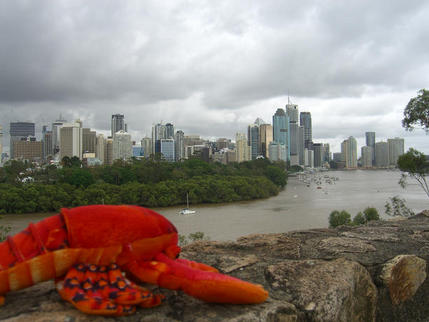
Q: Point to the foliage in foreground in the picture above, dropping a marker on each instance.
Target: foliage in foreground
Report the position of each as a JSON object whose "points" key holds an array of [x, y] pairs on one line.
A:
{"points": [[416, 113], [192, 237], [396, 206], [413, 164], [4, 230], [339, 218]]}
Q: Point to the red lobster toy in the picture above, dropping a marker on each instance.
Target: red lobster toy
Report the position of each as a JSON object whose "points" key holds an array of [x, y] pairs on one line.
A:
{"points": [[86, 249]]}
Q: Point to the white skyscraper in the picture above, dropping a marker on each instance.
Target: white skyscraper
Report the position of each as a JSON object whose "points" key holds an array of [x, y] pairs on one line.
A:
{"points": [[349, 152], [243, 149], [71, 140], [122, 146], [147, 146], [278, 151], [99, 147]]}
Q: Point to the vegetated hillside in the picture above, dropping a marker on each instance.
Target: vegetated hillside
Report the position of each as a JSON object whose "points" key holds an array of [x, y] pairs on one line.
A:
{"points": [[147, 182]]}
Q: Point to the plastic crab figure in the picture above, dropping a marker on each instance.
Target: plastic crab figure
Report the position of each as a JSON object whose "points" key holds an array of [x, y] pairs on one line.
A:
{"points": [[87, 249]]}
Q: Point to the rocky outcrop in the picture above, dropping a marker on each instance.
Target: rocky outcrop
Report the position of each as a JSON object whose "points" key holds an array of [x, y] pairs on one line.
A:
{"points": [[375, 272]]}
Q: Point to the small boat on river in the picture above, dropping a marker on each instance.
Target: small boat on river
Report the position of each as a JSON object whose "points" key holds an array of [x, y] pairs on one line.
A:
{"points": [[187, 211]]}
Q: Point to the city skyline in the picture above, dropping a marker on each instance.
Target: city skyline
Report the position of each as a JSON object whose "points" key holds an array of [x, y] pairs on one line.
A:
{"points": [[164, 132], [213, 68]]}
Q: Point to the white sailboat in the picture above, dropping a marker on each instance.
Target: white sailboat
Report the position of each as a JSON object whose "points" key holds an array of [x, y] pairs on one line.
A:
{"points": [[187, 211]]}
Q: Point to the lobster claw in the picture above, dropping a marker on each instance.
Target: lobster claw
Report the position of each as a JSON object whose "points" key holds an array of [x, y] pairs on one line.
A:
{"points": [[198, 280]]}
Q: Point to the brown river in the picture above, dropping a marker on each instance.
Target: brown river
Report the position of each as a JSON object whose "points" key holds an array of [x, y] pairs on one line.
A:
{"points": [[298, 207]]}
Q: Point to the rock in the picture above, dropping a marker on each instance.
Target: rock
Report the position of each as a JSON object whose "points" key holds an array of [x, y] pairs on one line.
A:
{"points": [[336, 245], [403, 275], [338, 290], [312, 275]]}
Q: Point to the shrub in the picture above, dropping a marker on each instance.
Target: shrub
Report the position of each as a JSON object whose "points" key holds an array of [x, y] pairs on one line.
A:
{"points": [[337, 218], [371, 214], [359, 219]]}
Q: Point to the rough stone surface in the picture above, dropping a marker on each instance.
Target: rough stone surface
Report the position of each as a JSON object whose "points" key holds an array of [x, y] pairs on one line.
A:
{"points": [[403, 275], [337, 290], [312, 275]]}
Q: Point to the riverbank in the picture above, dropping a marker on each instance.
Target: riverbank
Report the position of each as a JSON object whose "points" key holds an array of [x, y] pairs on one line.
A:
{"points": [[296, 207]]}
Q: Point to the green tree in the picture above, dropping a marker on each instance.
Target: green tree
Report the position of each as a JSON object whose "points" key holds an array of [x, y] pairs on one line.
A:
{"points": [[359, 219], [414, 164], [395, 206], [416, 112], [337, 218], [371, 214]]}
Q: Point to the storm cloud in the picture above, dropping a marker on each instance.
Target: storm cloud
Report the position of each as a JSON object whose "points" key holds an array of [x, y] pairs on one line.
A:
{"points": [[212, 67]]}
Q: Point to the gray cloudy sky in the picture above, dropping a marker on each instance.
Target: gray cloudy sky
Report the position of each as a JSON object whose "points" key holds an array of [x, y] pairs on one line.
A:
{"points": [[213, 67]]}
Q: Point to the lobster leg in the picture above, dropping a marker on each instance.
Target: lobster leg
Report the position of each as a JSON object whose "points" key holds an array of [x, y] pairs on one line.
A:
{"points": [[202, 282], [103, 290], [1, 300]]}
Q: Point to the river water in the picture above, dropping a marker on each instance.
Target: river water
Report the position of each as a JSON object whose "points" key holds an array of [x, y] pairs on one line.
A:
{"points": [[297, 207]]}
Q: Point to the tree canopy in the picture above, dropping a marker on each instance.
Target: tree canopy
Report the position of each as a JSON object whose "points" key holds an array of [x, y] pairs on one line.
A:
{"points": [[416, 112], [147, 183], [415, 164]]}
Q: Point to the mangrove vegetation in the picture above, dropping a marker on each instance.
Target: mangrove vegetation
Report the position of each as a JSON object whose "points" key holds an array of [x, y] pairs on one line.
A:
{"points": [[26, 188]]}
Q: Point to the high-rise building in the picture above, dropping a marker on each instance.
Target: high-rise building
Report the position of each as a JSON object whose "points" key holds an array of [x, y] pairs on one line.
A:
{"points": [[327, 155], [349, 152], [319, 154], [122, 146], [100, 145], [159, 131], [305, 121], [89, 139], [301, 144], [366, 157], [253, 140], [381, 154], [293, 126], [108, 151], [47, 147], [56, 127], [18, 131], [146, 144], [281, 129], [370, 141], [278, 151], [27, 149], [117, 124], [167, 149], [265, 138], [292, 112], [396, 149], [1, 141], [71, 140], [309, 158], [169, 131], [179, 145], [243, 149]]}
